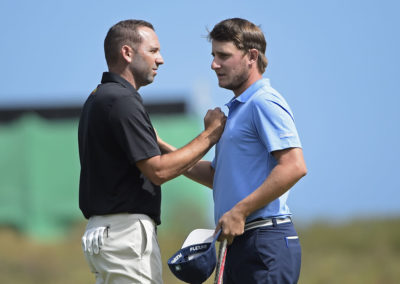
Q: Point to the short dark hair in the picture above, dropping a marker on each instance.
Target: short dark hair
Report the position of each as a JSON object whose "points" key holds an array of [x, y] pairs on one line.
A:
{"points": [[124, 32], [244, 34]]}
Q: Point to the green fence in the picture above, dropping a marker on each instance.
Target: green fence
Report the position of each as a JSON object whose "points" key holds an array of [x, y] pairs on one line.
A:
{"points": [[39, 177]]}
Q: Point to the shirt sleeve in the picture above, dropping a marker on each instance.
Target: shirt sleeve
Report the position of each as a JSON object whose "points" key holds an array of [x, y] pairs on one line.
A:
{"points": [[133, 129], [275, 125]]}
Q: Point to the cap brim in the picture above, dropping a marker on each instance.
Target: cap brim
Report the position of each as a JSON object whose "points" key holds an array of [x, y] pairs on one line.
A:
{"points": [[199, 236]]}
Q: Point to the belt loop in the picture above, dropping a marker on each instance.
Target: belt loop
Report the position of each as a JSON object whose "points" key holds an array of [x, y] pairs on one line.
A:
{"points": [[274, 222]]}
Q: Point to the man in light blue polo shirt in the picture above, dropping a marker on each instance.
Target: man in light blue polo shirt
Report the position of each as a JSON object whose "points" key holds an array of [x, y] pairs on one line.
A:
{"points": [[259, 123], [257, 160]]}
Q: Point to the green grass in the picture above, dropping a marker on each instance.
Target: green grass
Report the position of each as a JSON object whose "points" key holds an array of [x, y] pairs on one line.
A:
{"points": [[363, 251]]}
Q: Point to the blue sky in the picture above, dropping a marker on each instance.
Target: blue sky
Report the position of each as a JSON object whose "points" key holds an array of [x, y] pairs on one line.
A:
{"points": [[334, 61]]}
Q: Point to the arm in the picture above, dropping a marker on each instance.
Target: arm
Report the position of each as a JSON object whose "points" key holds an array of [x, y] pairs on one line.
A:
{"points": [[162, 168], [289, 169], [202, 172]]}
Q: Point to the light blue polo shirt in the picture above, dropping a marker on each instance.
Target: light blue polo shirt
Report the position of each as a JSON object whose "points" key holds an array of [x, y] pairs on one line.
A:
{"points": [[259, 122]]}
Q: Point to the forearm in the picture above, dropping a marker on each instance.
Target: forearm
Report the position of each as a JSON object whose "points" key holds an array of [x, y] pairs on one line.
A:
{"points": [[179, 161], [280, 180], [160, 169], [289, 169], [201, 172]]}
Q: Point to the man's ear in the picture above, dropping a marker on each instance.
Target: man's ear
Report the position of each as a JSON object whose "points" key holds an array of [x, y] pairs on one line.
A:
{"points": [[127, 53], [253, 55]]}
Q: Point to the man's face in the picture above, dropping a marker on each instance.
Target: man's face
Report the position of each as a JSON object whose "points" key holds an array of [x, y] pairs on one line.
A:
{"points": [[231, 66], [147, 58]]}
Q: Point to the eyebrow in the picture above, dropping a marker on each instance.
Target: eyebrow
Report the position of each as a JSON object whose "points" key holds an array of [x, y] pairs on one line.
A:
{"points": [[220, 53], [154, 47]]}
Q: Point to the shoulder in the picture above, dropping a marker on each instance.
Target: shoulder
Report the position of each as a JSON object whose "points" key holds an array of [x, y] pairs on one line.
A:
{"points": [[116, 102], [113, 90], [267, 94], [115, 95], [127, 107], [269, 100]]}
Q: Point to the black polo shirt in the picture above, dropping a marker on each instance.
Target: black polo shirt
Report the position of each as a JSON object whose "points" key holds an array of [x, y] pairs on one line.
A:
{"points": [[114, 133]]}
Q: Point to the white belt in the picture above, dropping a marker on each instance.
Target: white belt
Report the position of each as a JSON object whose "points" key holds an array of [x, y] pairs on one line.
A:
{"points": [[266, 223]]}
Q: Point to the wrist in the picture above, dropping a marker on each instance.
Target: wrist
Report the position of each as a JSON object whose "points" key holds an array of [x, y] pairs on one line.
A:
{"points": [[209, 136], [241, 210]]}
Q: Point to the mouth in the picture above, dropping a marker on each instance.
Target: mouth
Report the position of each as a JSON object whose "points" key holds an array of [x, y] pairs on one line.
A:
{"points": [[220, 76]]}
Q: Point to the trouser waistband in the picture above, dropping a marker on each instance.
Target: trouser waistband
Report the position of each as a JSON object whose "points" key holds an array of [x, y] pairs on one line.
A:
{"points": [[266, 223]]}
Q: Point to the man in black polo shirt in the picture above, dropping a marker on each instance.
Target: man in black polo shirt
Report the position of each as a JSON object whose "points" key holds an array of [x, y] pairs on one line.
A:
{"points": [[122, 166]]}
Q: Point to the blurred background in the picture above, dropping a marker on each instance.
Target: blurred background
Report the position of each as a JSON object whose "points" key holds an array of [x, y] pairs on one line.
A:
{"points": [[336, 63]]}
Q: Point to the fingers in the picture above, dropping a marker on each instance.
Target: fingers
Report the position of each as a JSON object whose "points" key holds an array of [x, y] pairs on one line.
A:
{"points": [[89, 242], [231, 225], [98, 239], [101, 236], [227, 235], [84, 247], [93, 240], [214, 121], [216, 111], [219, 112], [225, 232]]}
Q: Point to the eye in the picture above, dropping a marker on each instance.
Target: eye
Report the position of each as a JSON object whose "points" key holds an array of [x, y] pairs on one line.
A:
{"points": [[154, 50], [223, 55]]}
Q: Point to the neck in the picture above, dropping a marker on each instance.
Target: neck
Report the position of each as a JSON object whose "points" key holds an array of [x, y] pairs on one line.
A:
{"points": [[254, 77], [126, 74]]}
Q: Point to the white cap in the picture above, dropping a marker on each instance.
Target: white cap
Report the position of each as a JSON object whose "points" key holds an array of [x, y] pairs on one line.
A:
{"points": [[198, 236]]}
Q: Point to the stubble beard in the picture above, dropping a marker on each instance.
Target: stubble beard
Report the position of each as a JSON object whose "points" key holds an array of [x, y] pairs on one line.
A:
{"points": [[142, 76], [146, 80], [236, 82], [237, 79]]}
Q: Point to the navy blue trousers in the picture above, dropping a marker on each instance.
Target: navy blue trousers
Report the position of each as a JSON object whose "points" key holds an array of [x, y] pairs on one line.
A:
{"points": [[264, 255]]}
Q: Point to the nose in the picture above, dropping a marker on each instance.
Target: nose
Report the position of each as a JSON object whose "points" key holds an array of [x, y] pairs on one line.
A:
{"points": [[214, 65], [159, 60]]}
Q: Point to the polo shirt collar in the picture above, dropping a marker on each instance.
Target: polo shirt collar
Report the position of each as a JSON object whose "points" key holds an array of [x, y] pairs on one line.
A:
{"points": [[250, 91], [115, 78]]}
